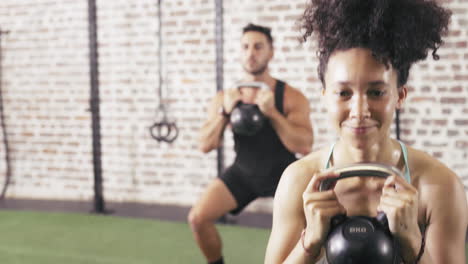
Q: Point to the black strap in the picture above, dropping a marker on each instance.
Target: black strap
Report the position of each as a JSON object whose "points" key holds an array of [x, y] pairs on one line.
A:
{"points": [[279, 95], [219, 33], [6, 142]]}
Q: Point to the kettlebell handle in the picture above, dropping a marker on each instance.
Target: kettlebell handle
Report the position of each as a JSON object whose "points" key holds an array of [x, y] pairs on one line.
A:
{"points": [[360, 170], [259, 85]]}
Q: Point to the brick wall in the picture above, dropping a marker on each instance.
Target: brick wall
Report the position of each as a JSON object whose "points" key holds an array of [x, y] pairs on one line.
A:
{"points": [[46, 91], [435, 117]]}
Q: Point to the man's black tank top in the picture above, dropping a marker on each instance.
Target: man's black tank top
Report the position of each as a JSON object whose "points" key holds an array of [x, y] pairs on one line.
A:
{"points": [[263, 157]]}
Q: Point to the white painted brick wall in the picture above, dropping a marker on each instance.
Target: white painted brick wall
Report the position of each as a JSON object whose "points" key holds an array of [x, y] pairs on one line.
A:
{"points": [[46, 90]]}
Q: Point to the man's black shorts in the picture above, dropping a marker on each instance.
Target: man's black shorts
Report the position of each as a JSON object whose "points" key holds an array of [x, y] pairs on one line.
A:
{"points": [[244, 189]]}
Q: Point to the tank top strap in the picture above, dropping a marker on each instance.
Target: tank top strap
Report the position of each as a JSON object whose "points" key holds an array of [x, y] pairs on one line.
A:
{"points": [[279, 95], [330, 154], [404, 150]]}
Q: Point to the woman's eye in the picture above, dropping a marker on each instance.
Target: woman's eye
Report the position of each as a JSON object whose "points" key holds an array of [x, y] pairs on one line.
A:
{"points": [[376, 93], [344, 93]]}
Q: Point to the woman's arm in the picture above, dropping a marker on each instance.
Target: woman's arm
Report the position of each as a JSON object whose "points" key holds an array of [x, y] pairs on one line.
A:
{"points": [[447, 215], [301, 216], [288, 219]]}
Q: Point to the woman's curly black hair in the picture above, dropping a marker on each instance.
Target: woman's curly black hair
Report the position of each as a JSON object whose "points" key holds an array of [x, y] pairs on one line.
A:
{"points": [[399, 32]]}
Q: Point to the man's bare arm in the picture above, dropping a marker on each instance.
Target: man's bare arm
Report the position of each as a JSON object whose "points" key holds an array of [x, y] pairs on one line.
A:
{"points": [[295, 129], [211, 133]]}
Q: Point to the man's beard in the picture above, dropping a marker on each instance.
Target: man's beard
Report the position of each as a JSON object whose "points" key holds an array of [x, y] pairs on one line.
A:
{"points": [[258, 71]]}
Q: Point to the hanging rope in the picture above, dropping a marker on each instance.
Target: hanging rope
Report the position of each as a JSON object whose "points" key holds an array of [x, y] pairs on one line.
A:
{"points": [[162, 130], [219, 36], [4, 130]]}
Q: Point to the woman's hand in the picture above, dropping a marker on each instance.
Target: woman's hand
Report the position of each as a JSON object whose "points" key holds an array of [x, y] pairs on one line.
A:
{"points": [[319, 208], [399, 201]]}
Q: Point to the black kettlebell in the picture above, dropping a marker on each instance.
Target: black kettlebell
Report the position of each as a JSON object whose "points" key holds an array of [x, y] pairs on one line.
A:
{"points": [[361, 239], [247, 119]]}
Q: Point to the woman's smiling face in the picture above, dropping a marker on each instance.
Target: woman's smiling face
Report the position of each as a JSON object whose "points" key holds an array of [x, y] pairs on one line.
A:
{"points": [[361, 94]]}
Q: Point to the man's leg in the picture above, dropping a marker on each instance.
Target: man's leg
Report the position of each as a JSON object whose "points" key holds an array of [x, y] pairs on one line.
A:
{"points": [[215, 202]]}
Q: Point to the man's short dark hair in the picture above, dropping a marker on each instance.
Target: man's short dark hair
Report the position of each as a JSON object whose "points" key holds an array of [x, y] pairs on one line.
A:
{"points": [[257, 28]]}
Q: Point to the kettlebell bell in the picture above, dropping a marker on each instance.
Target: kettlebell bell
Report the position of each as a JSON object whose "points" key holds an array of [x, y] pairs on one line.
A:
{"points": [[247, 119], [360, 239]]}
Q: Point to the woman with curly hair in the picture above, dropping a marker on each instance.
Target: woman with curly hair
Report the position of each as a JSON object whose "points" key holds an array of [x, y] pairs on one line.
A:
{"points": [[366, 49]]}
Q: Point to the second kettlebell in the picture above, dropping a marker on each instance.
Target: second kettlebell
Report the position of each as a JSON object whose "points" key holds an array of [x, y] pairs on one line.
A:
{"points": [[247, 119]]}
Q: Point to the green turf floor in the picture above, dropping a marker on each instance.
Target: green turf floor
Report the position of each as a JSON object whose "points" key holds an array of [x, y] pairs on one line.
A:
{"points": [[53, 238]]}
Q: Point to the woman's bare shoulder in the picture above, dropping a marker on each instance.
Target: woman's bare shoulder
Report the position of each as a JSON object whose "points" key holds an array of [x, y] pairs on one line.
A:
{"points": [[438, 185], [442, 197], [425, 169]]}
